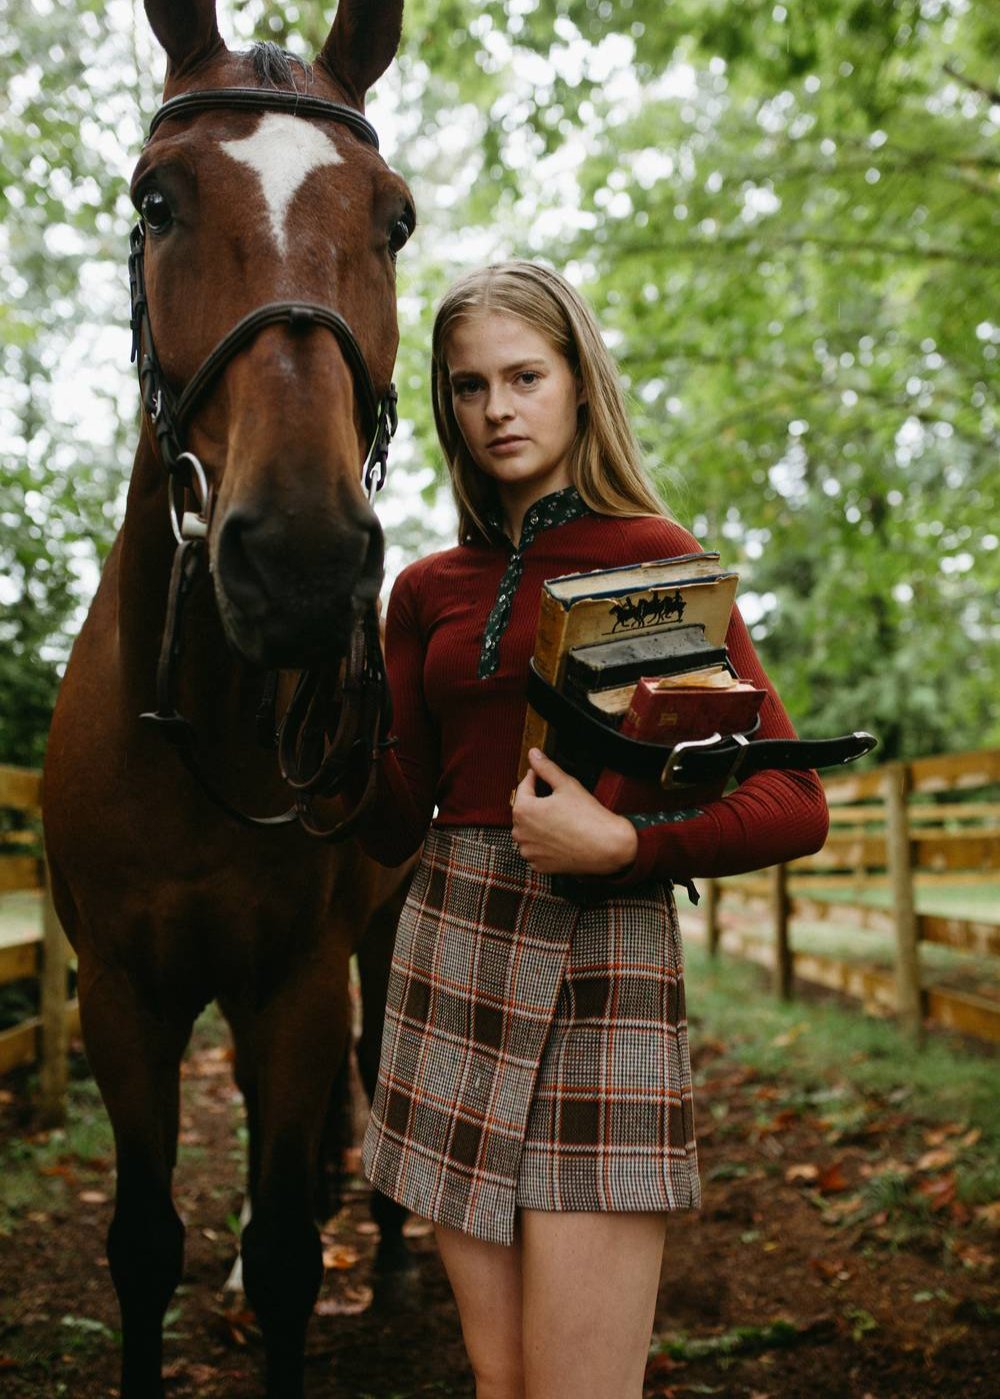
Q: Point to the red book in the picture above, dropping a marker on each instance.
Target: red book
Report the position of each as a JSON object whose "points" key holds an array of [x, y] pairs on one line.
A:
{"points": [[662, 711]]}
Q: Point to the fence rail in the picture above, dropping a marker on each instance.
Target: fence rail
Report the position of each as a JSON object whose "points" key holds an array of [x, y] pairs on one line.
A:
{"points": [[886, 838], [41, 954]]}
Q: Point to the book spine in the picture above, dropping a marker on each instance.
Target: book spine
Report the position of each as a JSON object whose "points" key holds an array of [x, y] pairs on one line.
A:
{"points": [[550, 650]]}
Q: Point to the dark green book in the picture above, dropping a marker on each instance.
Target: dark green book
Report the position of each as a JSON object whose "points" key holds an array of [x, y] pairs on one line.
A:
{"points": [[606, 665]]}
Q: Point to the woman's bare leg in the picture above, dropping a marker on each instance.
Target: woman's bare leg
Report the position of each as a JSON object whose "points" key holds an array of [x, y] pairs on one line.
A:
{"points": [[589, 1295], [486, 1281]]}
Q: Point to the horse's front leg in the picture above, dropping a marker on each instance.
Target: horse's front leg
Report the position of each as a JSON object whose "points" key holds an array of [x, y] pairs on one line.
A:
{"points": [[135, 1058], [298, 1042]]}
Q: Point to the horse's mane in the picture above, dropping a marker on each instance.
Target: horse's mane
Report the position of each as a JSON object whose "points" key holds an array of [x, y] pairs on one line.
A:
{"points": [[272, 65]]}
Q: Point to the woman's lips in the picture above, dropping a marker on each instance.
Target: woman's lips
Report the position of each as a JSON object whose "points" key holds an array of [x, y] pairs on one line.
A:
{"points": [[504, 445]]}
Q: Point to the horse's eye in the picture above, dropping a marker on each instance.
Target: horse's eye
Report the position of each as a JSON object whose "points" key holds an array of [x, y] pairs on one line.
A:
{"points": [[155, 211], [398, 235]]}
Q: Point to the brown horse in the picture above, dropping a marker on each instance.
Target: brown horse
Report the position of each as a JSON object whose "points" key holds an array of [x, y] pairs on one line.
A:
{"points": [[264, 207]]}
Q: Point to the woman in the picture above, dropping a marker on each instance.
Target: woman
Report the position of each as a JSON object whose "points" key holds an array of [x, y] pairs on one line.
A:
{"points": [[534, 1097]]}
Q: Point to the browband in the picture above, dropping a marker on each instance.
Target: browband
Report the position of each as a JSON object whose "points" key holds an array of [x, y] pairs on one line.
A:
{"points": [[255, 99]]}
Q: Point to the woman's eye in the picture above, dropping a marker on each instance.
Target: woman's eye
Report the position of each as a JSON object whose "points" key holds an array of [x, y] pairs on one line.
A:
{"points": [[155, 211], [398, 235], [529, 377]]}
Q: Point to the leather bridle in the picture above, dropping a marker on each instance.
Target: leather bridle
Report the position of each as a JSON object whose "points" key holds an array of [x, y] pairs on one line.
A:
{"points": [[335, 723]]}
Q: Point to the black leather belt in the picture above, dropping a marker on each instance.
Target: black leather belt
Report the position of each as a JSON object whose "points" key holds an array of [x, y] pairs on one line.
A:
{"points": [[714, 760]]}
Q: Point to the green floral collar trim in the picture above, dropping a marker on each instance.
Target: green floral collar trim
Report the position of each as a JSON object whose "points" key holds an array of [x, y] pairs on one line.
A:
{"points": [[555, 509]]}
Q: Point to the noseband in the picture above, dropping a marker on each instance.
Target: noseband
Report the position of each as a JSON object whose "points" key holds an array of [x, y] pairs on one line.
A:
{"points": [[334, 722]]}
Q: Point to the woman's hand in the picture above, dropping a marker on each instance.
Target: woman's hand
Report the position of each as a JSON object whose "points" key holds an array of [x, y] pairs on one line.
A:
{"points": [[568, 832]]}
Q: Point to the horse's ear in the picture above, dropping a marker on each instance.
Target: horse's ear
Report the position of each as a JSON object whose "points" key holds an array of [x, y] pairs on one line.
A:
{"points": [[187, 29], [362, 43]]}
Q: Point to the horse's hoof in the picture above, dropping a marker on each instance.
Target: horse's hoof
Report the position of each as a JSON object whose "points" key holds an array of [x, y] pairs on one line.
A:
{"points": [[398, 1291], [393, 1256]]}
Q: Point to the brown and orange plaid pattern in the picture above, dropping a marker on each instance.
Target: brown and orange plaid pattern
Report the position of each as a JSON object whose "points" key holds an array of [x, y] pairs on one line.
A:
{"points": [[535, 1052]]}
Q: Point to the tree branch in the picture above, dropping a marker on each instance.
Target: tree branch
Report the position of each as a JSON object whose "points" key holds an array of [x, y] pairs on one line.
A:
{"points": [[991, 94], [836, 245]]}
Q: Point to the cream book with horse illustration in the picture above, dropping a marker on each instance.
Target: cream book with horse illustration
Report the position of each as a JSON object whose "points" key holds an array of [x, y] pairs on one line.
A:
{"points": [[605, 604]]}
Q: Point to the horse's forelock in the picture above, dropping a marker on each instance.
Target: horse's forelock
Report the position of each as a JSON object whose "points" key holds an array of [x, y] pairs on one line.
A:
{"points": [[273, 65]]}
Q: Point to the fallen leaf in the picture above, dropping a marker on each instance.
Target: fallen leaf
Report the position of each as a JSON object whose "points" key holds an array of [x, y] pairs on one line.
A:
{"points": [[888, 1165], [340, 1257], [831, 1180], [662, 1364], [93, 1197], [971, 1137], [974, 1256], [352, 1302], [939, 1192], [59, 1170], [781, 1122], [805, 1171], [836, 1210], [189, 1370], [989, 1214], [936, 1160], [791, 1035]]}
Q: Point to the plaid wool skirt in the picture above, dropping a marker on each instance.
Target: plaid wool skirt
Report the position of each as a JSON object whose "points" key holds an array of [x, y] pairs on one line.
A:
{"points": [[535, 1052]]}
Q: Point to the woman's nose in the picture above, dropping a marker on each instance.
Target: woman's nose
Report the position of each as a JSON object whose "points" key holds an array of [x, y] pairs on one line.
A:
{"points": [[498, 406]]}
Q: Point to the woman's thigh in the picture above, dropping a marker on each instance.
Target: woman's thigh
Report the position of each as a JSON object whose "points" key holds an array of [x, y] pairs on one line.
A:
{"points": [[486, 1281], [589, 1295]]}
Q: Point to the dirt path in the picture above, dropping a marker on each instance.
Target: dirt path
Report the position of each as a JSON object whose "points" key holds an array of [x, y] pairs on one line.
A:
{"points": [[832, 1258]]}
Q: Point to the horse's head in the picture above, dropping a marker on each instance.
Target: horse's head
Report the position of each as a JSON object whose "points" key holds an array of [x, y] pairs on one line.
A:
{"points": [[244, 207]]}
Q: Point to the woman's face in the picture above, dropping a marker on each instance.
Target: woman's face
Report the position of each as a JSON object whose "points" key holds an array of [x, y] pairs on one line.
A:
{"points": [[515, 399]]}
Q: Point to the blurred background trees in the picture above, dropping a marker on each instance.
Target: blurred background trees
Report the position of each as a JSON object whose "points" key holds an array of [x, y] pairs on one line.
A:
{"points": [[787, 217]]}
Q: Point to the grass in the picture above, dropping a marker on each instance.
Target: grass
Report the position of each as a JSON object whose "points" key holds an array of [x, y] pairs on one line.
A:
{"points": [[38, 1170], [844, 1056]]}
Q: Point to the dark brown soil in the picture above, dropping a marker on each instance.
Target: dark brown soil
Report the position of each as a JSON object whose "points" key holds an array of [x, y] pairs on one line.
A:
{"points": [[787, 1283]]}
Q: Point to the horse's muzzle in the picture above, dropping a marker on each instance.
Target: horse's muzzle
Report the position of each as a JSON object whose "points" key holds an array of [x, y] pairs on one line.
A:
{"points": [[289, 597]]}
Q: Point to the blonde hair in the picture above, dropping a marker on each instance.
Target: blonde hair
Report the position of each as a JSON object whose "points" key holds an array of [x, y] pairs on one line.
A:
{"points": [[604, 466]]}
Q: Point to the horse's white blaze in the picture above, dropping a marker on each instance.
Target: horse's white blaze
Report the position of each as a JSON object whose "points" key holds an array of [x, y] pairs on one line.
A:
{"points": [[282, 152]]}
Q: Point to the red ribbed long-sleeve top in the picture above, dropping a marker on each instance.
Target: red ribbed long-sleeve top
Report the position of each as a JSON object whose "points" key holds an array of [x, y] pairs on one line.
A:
{"points": [[459, 736]]}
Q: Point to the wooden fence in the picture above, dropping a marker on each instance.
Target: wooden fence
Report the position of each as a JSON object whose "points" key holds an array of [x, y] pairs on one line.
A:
{"points": [[40, 953], [897, 831]]}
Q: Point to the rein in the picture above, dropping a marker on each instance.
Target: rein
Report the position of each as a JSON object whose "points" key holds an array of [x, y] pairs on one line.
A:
{"points": [[333, 727]]}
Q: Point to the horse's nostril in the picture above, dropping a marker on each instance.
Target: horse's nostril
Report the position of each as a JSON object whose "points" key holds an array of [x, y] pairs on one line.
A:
{"points": [[241, 577]]}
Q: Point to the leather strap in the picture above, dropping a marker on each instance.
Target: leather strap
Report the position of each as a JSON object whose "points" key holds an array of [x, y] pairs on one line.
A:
{"points": [[256, 99], [720, 759], [299, 316], [713, 760]]}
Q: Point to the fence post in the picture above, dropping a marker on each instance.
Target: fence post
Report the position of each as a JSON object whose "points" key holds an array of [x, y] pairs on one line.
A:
{"points": [[712, 916], [782, 949], [54, 1071], [909, 1001]]}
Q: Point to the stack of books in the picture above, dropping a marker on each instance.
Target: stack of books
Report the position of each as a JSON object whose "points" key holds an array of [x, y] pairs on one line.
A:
{"points": [[642, 649]]}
